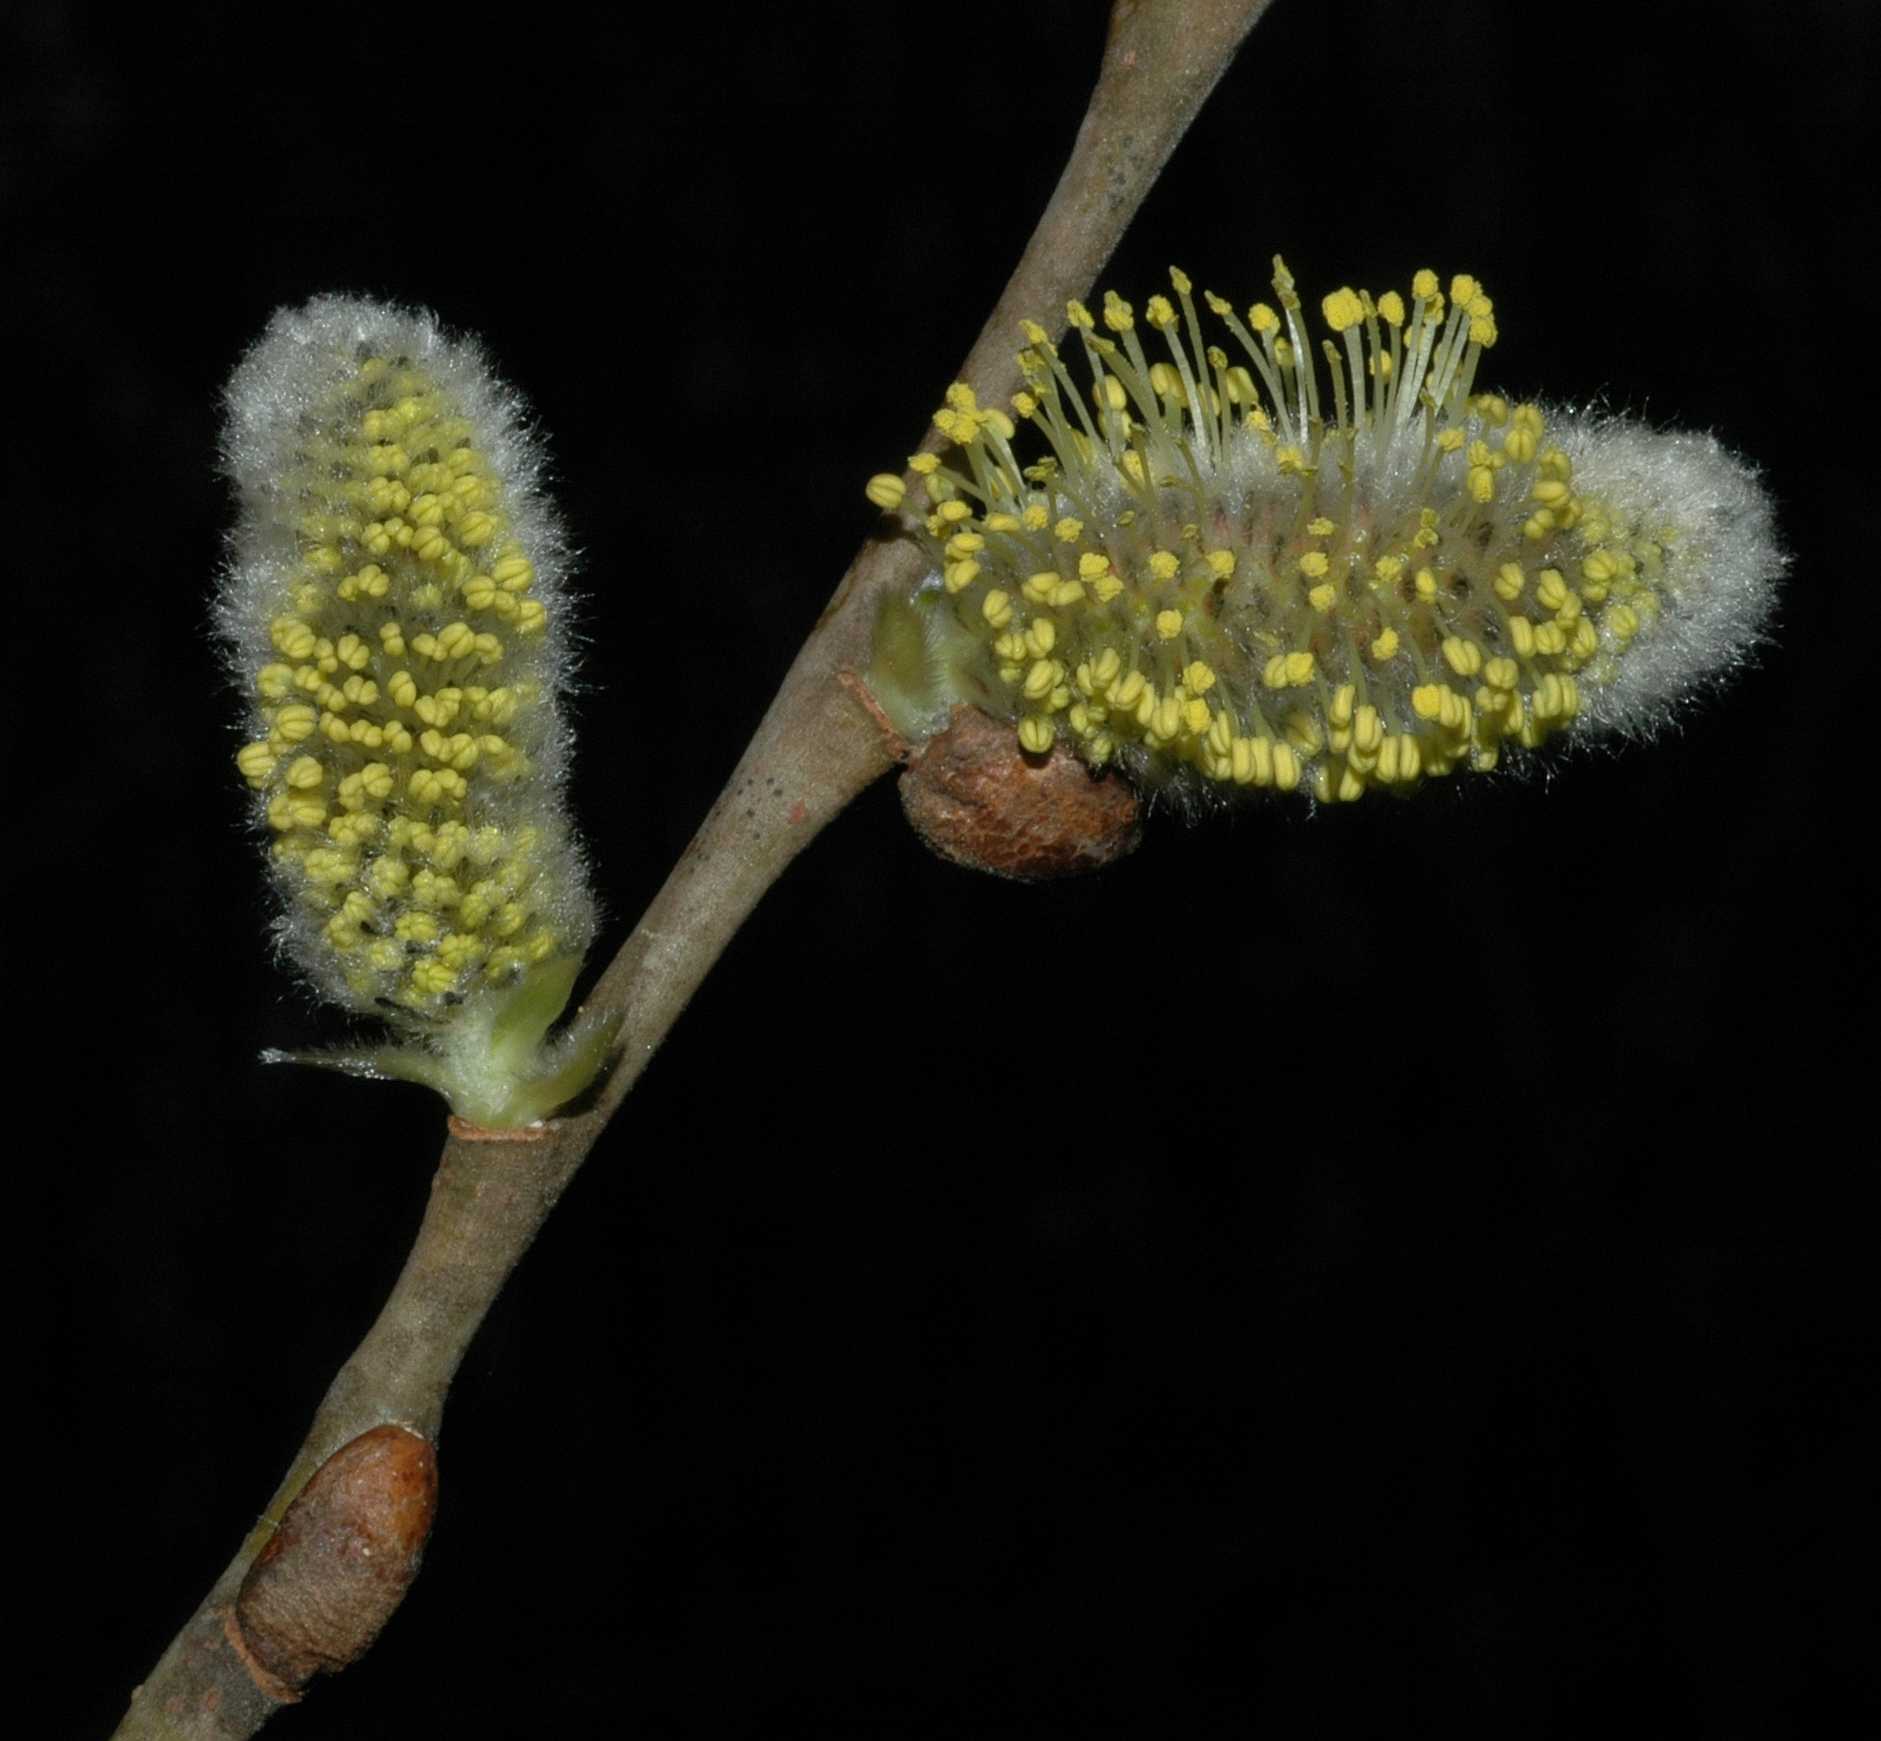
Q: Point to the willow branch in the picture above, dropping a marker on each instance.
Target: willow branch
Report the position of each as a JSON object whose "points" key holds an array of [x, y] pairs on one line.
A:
{"points": [[819, 744]]}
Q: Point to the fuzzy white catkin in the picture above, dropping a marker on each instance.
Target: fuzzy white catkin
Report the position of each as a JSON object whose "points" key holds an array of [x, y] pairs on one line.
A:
{"points": [[396, 614], [1719, 586], [1228, 571]]}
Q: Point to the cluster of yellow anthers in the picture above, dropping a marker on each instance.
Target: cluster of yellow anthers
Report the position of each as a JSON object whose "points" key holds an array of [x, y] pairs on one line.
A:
{"points": [[390, 623], [1213, 570]]}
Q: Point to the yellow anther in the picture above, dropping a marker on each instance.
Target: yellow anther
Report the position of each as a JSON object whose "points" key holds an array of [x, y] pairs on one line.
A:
{"points": [[1391, 308], [1323, 597], [1164, 565], [1168, 624], [513, 573], [958, 576], [1126, 692], [1343, 309], [1251, 761], [291, 637], [1509, 582], [454, 641], [1400, 758], [295, 723], [257, 761], [1221, 563], [1385, 646], [1159, 313], [1463, 657], [291, 810], [1164, 721], [1501, 673], [1314, 564], [1198, 676], [886, 490], [1263, 319], [996, 608]]}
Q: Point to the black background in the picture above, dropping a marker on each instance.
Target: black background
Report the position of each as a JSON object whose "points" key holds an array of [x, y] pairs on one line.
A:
{"points": [[1376, 1272]]}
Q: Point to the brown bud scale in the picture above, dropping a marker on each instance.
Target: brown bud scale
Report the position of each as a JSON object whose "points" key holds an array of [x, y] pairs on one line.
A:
{"points": [[978, 800], [341, 1561]]}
